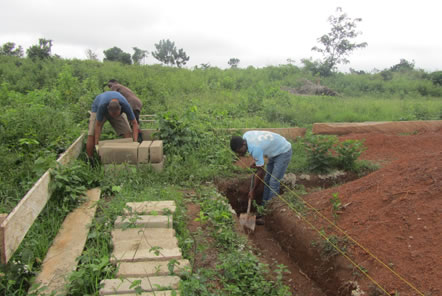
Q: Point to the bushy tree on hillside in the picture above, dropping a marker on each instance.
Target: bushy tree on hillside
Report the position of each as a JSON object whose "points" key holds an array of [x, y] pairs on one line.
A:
{"points": [[233, 62], [167, 53], [337, 45], [403, 66], [90, 55], [115, 54], [9, 49], [139, 55], [40, 51]]}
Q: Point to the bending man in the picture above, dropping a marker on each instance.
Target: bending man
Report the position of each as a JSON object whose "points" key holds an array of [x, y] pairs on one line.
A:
{"points": [[260, 144], [109, 106]]}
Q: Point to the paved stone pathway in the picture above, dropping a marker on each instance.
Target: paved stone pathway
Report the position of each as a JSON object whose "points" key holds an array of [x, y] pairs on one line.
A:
{"points": [[145, 250]]}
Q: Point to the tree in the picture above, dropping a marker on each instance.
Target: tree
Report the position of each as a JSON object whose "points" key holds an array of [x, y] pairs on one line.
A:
{"points": [[139, 55], [90, 55], [337, 44], [166, 52], [40, 51], [233, 62], [9, 49], [403, 66], [115, 54]]}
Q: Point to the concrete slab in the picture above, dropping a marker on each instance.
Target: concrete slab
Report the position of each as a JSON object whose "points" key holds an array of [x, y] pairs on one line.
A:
{"points": [[156, 293], [119, 153], [156, 151], [148, 221], [146, 255], [62, 256], [156, 268], [151, 207], [135, 245], [149, 284], [143, 152], [145, 233]]}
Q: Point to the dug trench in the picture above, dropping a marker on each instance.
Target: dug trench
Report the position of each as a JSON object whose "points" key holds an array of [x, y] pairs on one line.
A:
{"points": [[286, 239]]}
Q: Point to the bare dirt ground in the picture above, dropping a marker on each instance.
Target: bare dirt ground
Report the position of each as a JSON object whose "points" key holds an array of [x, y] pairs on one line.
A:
{"points": [[394, 213]]}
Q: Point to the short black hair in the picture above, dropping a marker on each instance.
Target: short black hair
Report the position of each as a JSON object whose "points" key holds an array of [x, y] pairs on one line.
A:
{"points": [[236, 142], [112, 81]]}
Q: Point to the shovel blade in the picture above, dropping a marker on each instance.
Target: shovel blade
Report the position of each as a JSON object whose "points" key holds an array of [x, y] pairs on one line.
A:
{"points": [[247, 221]]}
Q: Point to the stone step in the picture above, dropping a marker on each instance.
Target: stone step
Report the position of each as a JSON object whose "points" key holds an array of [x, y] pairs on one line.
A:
{"points": [[151, 207], [147, 284], [157, 293], [156, 268], [141, 255], [148, 221], [142, 233]]}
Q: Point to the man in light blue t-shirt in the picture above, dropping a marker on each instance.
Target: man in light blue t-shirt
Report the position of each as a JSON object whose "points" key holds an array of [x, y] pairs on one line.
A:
{"points": [[278, 151], [110, 105]]}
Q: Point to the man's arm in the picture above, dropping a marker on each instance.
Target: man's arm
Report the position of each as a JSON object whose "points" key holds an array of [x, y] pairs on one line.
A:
{"points": [[134, 130], [98, 127]]}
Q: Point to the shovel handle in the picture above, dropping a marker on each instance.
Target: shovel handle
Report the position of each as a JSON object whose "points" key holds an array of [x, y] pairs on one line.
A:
{"points": [[248, 206]]}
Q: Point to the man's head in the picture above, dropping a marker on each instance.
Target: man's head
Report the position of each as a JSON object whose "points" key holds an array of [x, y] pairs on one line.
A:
{"points": [[114, 108], [238, 145], [111, 82]]}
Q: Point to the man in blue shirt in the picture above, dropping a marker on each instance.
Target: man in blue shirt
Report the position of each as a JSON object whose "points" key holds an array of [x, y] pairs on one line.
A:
{"points": [[278, 151], [110, 105]]}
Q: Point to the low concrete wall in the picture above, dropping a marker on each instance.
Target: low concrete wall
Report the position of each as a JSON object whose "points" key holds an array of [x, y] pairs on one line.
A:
{"points": [[386, 127], [290, 133]]}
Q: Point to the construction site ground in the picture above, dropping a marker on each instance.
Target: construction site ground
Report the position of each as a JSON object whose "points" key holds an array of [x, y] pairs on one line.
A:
{"points": [[389, 224]]}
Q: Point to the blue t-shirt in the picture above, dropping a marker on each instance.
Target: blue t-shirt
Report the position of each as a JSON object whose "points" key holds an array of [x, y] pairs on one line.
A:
{"points": [[263, 143], [101, 102]]}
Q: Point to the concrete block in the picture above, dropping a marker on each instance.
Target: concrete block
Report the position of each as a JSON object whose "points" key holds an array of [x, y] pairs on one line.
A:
{"points": [[156, 268], [121, 140], [151, 207], [148, 221], [148, 134], [143, 152], [119, 153], [158, 167], [154, 283], [156, 151]]}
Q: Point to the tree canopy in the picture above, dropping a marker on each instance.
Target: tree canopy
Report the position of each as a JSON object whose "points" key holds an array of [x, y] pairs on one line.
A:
{"points": [[337, 44], [116, 54], [40, 51], [9, 49], [167, 53]]}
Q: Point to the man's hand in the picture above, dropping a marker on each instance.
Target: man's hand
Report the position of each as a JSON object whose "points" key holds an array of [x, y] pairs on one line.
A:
{"points": [[135, 129], [251, 194]]}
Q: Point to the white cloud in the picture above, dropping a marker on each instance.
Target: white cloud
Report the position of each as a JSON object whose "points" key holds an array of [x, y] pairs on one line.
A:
{"points": [[259, 33]]}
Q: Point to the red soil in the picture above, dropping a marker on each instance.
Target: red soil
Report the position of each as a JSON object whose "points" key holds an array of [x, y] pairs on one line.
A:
{"points": [[395, 212]]}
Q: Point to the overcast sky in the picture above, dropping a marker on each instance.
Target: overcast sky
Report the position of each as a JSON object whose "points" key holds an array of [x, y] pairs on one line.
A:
{"points": [[259, 33]]}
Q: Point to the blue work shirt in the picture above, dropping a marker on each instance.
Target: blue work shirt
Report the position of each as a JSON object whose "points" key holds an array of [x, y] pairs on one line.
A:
{"points": [[263, 143], [101, 102]]}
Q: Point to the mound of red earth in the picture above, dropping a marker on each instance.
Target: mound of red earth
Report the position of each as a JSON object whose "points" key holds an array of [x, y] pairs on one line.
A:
{"points": [[392, 218]]}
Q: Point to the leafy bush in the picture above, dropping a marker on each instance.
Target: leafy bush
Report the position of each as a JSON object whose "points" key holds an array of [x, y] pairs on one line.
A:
{"points": [[348, 152], [319, 155], [325, 153]]}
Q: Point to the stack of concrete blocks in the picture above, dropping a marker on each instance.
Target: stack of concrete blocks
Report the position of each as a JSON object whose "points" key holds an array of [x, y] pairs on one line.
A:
{"points": [[145, 250], [125, 151]]}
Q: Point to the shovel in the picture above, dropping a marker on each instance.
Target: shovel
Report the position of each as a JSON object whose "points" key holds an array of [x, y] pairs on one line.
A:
{"points": [[247, 220]]}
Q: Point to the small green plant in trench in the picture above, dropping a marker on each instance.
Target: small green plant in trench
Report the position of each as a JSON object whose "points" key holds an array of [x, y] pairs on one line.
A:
{"points": [[336, 205]]}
